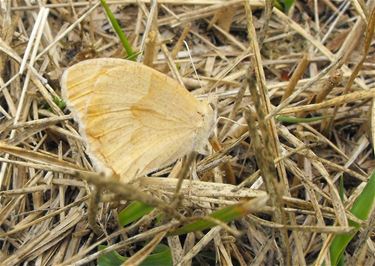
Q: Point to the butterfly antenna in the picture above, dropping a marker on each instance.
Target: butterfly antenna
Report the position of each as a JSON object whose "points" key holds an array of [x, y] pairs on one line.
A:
{"points": [[231, 120], [211, 98], [192, 63]]}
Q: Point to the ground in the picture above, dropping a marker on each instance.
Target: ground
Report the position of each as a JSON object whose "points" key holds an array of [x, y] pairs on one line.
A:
{"points": [[290, 157]]}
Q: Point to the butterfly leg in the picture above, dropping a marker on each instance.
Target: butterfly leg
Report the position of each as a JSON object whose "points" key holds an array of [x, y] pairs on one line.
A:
{"points": [[93, 209], [185, 169]]}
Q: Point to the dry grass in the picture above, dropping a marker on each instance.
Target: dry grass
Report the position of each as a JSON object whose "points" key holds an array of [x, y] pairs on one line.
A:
{"points": [[259, 63]]}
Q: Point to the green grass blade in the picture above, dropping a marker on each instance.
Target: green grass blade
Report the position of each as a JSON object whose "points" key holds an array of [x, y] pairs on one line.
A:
{"points": [[59, 102], [110, 259], [160, 256], [362, 207], [294, 120], [124, 40], [288, 4], [283, 5], [133, 212], [224, 215]]}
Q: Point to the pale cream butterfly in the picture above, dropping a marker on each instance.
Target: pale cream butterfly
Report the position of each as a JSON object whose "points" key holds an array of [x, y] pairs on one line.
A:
{"points": [[133, 118]]}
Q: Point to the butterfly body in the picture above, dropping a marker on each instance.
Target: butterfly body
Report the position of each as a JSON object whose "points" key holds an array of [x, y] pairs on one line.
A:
{"points": [[134, 119]]}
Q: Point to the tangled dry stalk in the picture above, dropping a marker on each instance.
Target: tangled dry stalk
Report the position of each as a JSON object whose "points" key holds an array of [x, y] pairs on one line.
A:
{"points": [[260, 64]]}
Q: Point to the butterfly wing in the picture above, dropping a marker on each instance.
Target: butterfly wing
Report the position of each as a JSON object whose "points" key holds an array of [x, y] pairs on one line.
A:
{"points": [[134, 119]]}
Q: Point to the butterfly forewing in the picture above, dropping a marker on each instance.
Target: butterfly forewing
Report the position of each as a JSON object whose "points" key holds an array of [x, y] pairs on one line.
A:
{"points": [[134, 119]]}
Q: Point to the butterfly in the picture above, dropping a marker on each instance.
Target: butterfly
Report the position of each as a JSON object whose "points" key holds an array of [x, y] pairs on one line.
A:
{"points": [[134, 119]]}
